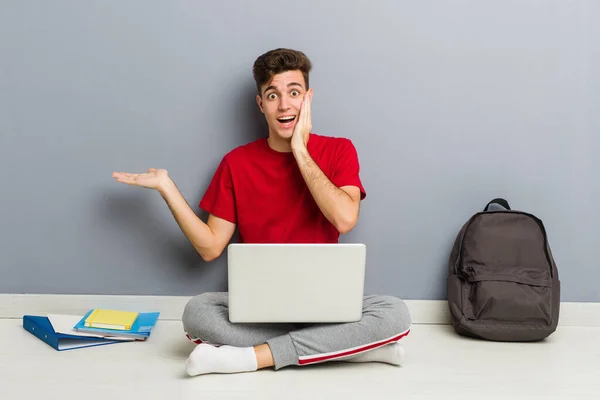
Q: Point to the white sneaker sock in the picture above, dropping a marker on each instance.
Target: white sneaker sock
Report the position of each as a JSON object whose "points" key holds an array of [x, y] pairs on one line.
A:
{"points": [[206, 359], [391, 353]]}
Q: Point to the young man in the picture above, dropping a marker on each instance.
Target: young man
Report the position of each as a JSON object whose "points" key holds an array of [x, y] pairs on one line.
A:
{"points": [[292, 187]]}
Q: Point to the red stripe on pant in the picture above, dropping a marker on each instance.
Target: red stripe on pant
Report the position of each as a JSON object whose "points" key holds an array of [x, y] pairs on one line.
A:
{"points": [[352, 352], [197, 341]]}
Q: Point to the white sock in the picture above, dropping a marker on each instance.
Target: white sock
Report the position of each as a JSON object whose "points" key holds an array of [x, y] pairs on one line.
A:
{"points": [[391, 353], [206, 359]]}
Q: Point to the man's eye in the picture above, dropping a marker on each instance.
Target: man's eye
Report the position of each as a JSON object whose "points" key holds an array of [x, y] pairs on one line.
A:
{"points": [[271, 96], [295, 93]]}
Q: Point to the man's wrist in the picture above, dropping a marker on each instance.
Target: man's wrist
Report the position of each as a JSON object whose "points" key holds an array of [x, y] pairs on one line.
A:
{"points": [[166, 188], [301, 153]]}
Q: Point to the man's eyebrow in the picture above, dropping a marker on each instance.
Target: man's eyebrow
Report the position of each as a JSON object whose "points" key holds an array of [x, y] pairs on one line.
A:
{"points": [[289, 85]]}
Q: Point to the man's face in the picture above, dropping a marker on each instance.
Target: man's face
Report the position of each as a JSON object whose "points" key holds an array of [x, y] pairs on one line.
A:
{"points": [[281, 101]]}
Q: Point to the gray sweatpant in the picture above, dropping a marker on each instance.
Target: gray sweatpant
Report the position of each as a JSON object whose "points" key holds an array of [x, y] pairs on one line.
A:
{"points": [[385, 319]]}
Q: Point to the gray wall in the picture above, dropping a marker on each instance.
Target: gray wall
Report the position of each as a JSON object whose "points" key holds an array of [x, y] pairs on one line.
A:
{"points": [[450, 103]]}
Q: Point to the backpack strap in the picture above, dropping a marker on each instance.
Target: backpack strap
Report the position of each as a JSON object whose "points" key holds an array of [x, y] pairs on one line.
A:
{"points": [[498, 201]]}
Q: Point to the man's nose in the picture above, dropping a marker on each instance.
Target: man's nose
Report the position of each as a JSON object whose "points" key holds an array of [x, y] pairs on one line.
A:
{"points": [[284, 103]]}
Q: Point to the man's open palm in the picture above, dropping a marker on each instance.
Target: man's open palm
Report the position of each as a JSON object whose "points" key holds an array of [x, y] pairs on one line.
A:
{"points": [[153, 179]]}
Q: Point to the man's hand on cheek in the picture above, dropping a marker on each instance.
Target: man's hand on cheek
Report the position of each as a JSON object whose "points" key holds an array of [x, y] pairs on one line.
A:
{"points": [[304, 124]]}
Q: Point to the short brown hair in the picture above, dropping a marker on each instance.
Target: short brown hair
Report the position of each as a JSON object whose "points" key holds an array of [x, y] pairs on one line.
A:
{"points": [[278, 61]]}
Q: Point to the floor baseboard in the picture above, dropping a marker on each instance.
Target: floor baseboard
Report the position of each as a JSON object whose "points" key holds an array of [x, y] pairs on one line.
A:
{"points": [[171, 307]]}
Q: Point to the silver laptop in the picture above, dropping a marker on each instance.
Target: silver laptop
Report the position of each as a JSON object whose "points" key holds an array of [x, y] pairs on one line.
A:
{"points": [[296, 283]]}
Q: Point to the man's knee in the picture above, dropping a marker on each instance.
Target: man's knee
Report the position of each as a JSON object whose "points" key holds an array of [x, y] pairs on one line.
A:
{"points": [[392, 314], [200, 314]]}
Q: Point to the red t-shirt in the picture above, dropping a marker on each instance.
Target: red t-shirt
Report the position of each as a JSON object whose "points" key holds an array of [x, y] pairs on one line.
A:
{"points": [[263, 192]]}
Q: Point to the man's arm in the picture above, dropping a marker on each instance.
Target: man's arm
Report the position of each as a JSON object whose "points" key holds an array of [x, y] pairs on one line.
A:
{"points": [[339, 205], [209, 239]]}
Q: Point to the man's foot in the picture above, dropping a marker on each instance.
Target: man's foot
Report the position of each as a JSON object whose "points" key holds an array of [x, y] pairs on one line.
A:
{"points": [[391, 353], [206, 359]]}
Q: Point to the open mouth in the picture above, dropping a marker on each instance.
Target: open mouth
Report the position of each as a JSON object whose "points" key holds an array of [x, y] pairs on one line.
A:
{"points": [[286, 120]]}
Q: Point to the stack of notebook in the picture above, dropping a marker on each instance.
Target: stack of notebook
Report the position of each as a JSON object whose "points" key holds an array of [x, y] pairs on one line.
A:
{"points": [[117, 323], [97, 327]]}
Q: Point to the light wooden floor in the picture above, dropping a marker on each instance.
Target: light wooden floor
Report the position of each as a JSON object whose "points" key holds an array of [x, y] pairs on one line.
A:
{"points": [[439, 365]]}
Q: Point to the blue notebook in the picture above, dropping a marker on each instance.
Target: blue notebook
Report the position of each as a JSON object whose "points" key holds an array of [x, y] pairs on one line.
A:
{"points": [[140, 329], [41, 328]]}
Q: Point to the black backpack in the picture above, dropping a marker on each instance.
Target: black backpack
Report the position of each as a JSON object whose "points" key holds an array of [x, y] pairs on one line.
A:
{"points": [[502, 279]]}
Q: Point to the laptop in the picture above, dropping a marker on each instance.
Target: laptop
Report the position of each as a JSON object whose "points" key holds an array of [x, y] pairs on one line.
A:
{"points": [[296, 283]]}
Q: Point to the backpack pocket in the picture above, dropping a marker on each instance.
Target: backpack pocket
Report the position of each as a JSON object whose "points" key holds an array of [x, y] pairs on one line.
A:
{"points": [[504, 298]]}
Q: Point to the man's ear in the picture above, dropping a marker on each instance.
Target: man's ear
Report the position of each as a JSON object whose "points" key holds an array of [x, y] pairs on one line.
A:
{"points": [[259, 102]]}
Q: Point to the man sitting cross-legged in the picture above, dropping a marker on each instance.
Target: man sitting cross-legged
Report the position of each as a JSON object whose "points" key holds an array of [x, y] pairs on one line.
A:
{"points": [[293, 186]]}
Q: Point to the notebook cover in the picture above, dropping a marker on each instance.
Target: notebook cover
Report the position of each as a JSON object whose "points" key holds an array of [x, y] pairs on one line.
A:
{"points": [[111, 319]]}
